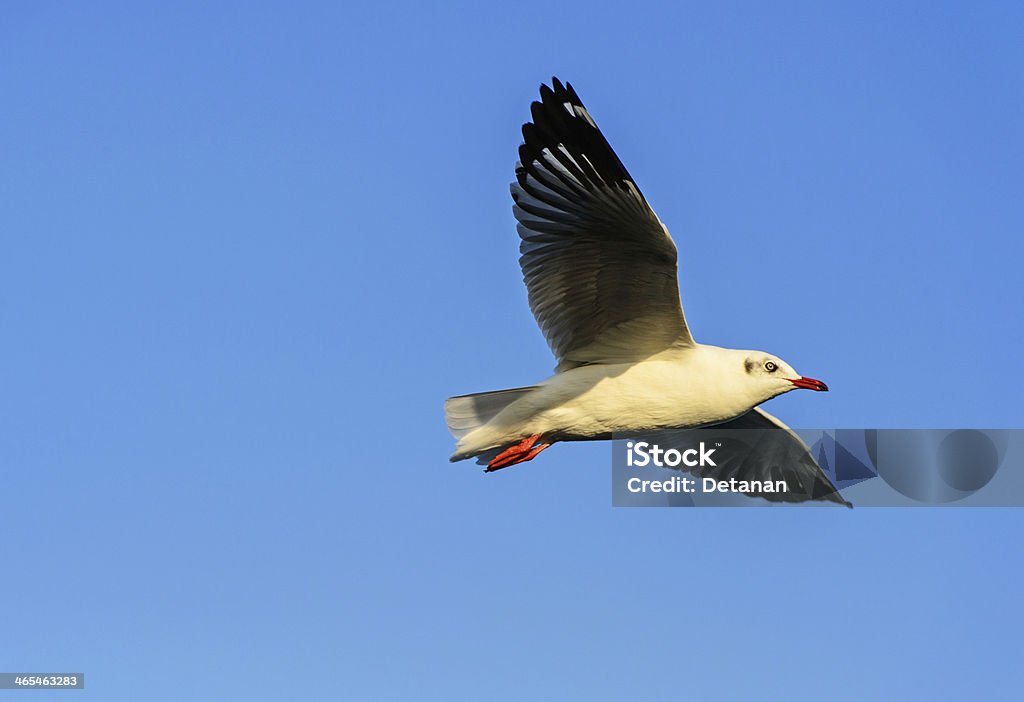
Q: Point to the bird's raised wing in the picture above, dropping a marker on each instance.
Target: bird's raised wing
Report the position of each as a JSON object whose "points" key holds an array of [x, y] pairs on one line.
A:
{"points": [[599, 266], [757, 446]]}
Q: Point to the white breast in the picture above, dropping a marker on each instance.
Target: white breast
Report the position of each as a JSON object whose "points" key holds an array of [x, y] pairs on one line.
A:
{"points": [[671, 392]]}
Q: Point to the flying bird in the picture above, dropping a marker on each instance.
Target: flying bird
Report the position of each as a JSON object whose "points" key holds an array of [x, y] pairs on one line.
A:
{"points": [[601, 275]]}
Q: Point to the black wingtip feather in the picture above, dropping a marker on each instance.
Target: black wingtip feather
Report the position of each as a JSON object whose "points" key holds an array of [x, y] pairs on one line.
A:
{"points": [[552, 126], [572, 94]]}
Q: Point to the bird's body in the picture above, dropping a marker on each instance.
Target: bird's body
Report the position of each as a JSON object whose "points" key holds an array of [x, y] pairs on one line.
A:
{"points": [[671, 390], [600, 269]]}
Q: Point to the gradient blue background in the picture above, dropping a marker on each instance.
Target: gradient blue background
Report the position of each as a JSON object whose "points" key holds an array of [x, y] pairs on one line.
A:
{"points": [[247, 251]]}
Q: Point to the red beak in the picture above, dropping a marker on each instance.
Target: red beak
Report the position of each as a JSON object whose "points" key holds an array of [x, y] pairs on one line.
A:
{"points": [[809, 384]]}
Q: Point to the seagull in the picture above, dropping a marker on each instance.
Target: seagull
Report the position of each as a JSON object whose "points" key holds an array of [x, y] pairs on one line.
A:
{"points": [[601, 275]]}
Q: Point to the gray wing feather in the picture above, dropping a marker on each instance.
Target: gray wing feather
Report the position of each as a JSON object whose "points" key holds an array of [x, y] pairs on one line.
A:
{"points": [[757, 446]]}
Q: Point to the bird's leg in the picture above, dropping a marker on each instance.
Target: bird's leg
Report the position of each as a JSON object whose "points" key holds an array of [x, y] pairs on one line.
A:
{"points": [[524, 451], [521, 457], [515, 449]]}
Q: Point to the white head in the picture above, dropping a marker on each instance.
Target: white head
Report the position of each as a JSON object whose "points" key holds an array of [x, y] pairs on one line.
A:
{"points": [[772, 376]]}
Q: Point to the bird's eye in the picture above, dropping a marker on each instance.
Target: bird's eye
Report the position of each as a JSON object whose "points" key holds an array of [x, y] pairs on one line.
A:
{"points": [[770, 366]]}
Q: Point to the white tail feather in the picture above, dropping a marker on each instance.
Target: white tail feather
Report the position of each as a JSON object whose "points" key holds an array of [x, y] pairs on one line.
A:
{"points": [[468, 412]]}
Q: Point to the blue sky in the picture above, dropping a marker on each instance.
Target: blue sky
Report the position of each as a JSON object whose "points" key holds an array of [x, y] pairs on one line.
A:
{"points": [[247, 251]]}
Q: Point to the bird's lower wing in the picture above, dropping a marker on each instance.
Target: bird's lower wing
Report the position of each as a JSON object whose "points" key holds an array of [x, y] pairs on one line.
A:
{"points": [[758, 447]]}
